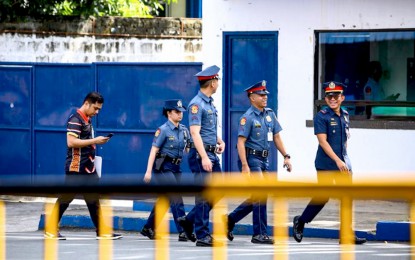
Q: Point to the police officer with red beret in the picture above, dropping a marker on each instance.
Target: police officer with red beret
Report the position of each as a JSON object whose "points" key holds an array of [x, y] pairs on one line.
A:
{"points": [[258, 127], [331, 126], [203, 158]]}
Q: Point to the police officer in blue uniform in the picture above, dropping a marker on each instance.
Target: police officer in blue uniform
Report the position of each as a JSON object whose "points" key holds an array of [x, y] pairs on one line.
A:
{"points": [[258, 127], [331, 126], [169, 143], [206, 144]]}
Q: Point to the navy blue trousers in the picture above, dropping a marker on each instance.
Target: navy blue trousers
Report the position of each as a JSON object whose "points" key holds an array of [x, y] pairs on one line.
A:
{"points": [[167, 176], [199, 215], [317, 204], [257, 165]]}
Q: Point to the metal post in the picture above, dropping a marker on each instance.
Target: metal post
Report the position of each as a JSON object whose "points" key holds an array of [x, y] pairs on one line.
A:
{"points": [[161, 250], [105, 228], [280, 229], [219, 227], [51, 225], [412, 228], [346, 231], [2, 231]]}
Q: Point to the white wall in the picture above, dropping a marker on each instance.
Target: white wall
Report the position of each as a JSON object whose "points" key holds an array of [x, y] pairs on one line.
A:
{"points": [[374, 153], [87, 49]]}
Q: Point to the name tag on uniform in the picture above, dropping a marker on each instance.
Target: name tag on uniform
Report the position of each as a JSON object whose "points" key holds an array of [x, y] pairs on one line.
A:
{"points": [[269, 136]]}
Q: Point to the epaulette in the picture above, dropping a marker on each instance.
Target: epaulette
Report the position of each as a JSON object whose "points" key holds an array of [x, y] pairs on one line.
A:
{"points": [[323, 111], [267, 109], [345, 111]]}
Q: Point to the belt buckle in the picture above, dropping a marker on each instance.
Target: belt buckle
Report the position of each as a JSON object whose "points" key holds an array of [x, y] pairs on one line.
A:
{"points": [[264, 153], [177, 161]]}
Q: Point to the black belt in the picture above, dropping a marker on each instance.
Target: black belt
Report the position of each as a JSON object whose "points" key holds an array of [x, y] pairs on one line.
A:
{"points": [[167, 158], [263, 153], [208, 148]]}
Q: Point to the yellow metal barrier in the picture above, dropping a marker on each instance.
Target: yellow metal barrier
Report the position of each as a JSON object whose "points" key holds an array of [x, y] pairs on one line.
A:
{"points": [[218, 189], [105, 228], [51, 225], [2, 231], [161, 250]]}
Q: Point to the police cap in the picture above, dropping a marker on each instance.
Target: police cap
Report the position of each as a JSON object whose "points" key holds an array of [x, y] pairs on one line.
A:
{"points": [[258, 88], [174, 104], [333, 87], [208, 73]]}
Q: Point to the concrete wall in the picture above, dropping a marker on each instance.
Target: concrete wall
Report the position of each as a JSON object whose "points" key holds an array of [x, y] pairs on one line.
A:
{"points": [[102, 39], [374, 153]]}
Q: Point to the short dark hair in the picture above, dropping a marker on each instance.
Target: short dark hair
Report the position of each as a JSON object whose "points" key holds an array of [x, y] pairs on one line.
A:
{"points": [[94, 97], [165, 111], [205, 83]]}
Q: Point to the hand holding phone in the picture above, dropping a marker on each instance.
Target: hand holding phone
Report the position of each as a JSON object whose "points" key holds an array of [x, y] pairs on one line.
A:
{"points": [[110, 135]]}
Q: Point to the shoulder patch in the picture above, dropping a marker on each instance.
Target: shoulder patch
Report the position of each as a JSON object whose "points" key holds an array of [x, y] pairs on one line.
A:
{"points": [[194, 109], [243, 121], [323, 111], [157, 132]]}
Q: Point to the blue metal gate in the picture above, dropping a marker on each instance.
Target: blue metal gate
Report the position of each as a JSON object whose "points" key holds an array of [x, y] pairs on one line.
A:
{"points": [[37, 98], [248, 58]]}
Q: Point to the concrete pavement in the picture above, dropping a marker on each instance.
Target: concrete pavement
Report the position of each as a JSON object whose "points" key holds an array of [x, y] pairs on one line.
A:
{"points": [[373, 219]]}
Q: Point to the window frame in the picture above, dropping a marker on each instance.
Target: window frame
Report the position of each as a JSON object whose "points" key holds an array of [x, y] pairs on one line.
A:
{"points": [[401, 123]]}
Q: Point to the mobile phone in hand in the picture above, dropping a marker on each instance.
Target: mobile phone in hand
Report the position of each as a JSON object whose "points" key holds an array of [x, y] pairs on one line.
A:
{"points": [[110, 135]]}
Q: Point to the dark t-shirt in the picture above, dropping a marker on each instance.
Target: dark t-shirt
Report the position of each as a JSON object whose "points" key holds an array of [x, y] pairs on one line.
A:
{"points": [[80, 160]]}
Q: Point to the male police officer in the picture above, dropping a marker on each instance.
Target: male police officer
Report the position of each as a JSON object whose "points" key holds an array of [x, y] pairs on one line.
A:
{"points": [[258, 127], [202, 155], [331, 126]]}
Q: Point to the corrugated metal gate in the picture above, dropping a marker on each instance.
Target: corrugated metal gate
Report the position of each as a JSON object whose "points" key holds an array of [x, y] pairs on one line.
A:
{"points": [[37, 98]]}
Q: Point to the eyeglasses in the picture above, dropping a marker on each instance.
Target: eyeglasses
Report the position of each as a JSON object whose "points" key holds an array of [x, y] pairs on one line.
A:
{"points": [[333, 96]]}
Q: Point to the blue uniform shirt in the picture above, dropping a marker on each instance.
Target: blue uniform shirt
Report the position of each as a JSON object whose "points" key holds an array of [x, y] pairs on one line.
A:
{"points": [[171, 139], [202, 112], [255, 126], [337, 130]]}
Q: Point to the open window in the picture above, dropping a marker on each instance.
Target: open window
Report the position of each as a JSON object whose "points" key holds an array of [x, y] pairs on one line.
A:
{"points": [[377, 66]]}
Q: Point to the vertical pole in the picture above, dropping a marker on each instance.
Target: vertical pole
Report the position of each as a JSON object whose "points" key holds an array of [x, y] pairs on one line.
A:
{"points": [[280, 214], [2, 231], [219, 224], [51, 225], [105, 229], [161, 250], [412, 228], [346, 231]]}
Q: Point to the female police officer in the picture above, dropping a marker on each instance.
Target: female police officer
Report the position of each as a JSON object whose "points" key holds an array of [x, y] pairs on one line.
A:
{"points": [[166, 153]]}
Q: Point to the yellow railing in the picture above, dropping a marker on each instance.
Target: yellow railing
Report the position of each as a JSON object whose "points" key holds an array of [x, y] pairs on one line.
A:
{"points": [[219, 188]]}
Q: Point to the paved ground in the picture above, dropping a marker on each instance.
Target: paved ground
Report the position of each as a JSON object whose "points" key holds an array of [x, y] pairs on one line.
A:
{"points": [[23, 213], [82, 245]]}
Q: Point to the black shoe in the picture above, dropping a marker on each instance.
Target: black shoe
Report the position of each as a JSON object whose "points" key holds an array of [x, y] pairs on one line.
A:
{"points": [[113, 236], [231, 225], [208, 241], [357, 240], [187, 227], [148, 232], [57, 236], [298, 228], [262, 239], [184, 238]]}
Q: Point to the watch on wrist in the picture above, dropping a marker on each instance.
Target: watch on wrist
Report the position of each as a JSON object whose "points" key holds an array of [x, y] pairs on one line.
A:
{"points": [[287, 156]]}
